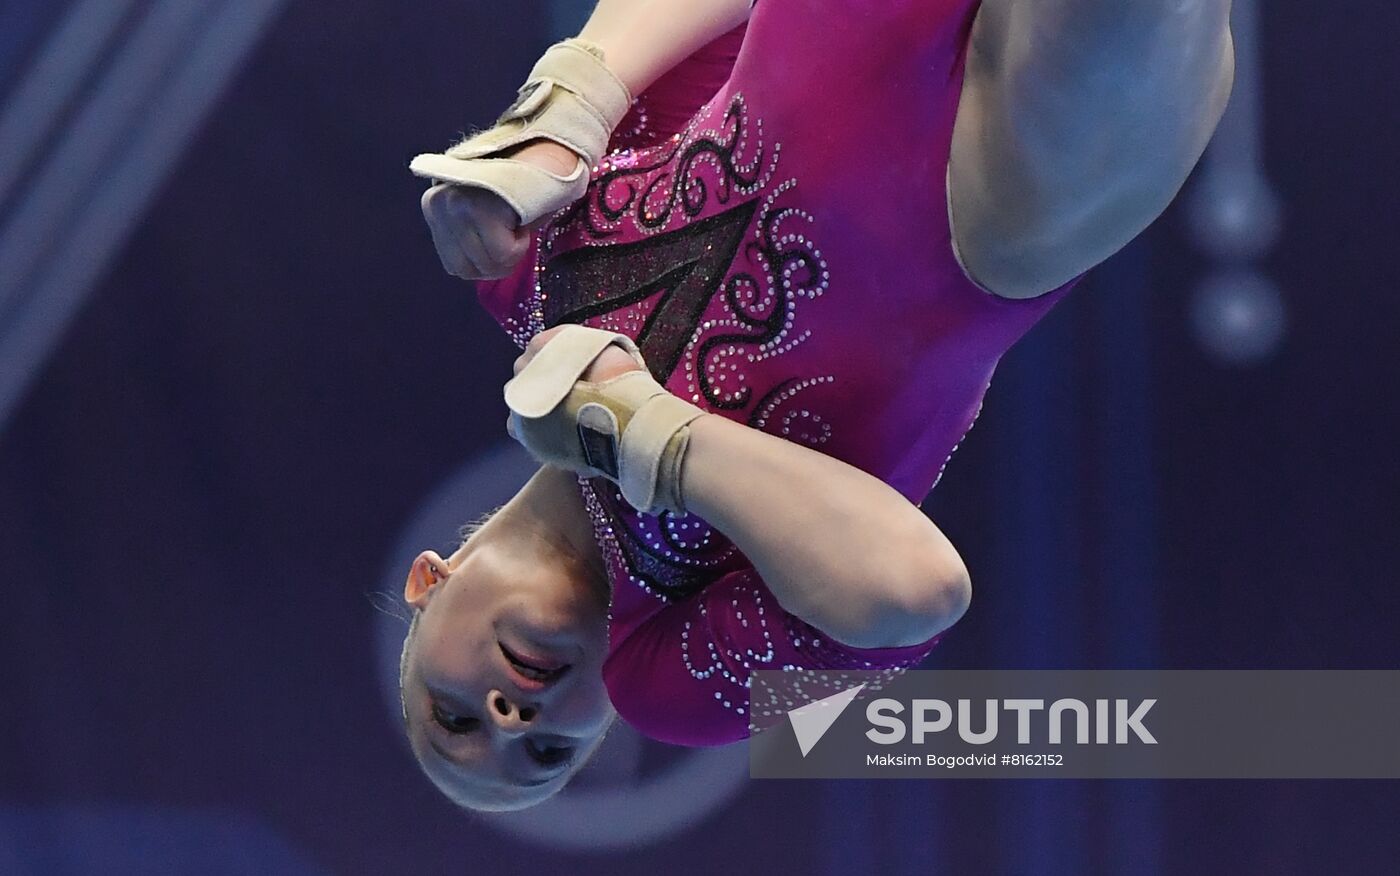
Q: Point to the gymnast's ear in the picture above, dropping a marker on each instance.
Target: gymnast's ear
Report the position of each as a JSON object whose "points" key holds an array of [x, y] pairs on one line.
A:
{"points": [[427, 572]]}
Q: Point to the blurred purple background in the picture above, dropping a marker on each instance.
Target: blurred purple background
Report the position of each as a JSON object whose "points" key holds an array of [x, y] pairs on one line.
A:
{"points": [[237, 393]]}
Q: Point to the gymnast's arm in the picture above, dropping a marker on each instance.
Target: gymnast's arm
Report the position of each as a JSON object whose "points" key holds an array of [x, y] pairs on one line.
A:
{"points": [[834, 545], [837, 547]]}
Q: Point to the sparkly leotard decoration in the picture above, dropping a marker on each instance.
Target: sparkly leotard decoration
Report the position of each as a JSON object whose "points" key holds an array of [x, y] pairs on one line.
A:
{"points": [[771, 228]]}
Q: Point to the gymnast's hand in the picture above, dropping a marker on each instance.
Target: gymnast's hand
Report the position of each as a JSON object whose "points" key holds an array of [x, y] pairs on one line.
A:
{"points": [[582, 399], [477, 234], [612, 362]]}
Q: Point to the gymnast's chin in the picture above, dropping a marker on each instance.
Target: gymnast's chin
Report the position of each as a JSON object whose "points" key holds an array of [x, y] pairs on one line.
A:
{"points": [[501, 675]]}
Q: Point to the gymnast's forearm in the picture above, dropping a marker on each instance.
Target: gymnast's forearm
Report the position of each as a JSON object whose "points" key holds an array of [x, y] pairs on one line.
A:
{"points": [[836, 546], [642, 39]]}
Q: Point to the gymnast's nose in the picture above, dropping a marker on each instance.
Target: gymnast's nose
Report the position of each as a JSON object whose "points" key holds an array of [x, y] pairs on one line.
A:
{"points": [[510, 718]]}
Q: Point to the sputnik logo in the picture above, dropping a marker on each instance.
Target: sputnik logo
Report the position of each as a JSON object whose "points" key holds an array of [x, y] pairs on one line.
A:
{"points": [[810, 722]]}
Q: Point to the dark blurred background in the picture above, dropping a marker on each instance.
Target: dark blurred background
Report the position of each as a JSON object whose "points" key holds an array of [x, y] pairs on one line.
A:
{"points": [[237, 394]]}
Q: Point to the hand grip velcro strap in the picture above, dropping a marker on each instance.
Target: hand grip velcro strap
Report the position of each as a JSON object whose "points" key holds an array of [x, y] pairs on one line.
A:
{"points": [[578, 67], [649, 466], [544, 382], [628, 429], [531, 192], [571, 97]]}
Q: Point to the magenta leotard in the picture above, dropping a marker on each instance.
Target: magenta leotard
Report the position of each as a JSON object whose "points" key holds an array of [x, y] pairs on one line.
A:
{"points": [[782, 256]]}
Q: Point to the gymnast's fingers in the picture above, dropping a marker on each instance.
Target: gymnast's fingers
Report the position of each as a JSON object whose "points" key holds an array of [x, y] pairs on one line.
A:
{"points": [[469, 237], [446, 235], [460, 224], [524, 358], [484, 226], [534, 346], [503, 241]]}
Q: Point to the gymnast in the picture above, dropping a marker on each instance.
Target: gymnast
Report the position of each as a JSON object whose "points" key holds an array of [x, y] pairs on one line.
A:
{"points": [[763, 263]]}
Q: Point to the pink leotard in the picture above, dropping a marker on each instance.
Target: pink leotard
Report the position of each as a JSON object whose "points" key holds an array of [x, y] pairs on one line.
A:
{"points": [[773, 232]]}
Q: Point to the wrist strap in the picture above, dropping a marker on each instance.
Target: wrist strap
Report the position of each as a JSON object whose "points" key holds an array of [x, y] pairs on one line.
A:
{"points": [[550, 376], [653, 446], [628, 428]]}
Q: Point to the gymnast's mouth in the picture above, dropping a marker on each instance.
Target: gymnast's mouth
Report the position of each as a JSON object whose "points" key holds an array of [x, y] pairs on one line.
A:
{"points": [[534, 667]]}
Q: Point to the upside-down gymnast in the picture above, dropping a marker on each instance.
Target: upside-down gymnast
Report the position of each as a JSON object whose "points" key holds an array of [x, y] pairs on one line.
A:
{"points": [[753, 339]]}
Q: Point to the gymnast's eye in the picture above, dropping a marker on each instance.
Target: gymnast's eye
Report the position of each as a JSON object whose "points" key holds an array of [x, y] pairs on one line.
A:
{"points": [[452, 722], [547, 755]]}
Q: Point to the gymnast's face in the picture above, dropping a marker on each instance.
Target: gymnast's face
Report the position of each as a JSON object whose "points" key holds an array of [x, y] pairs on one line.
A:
{"points": [[502, 681]]}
